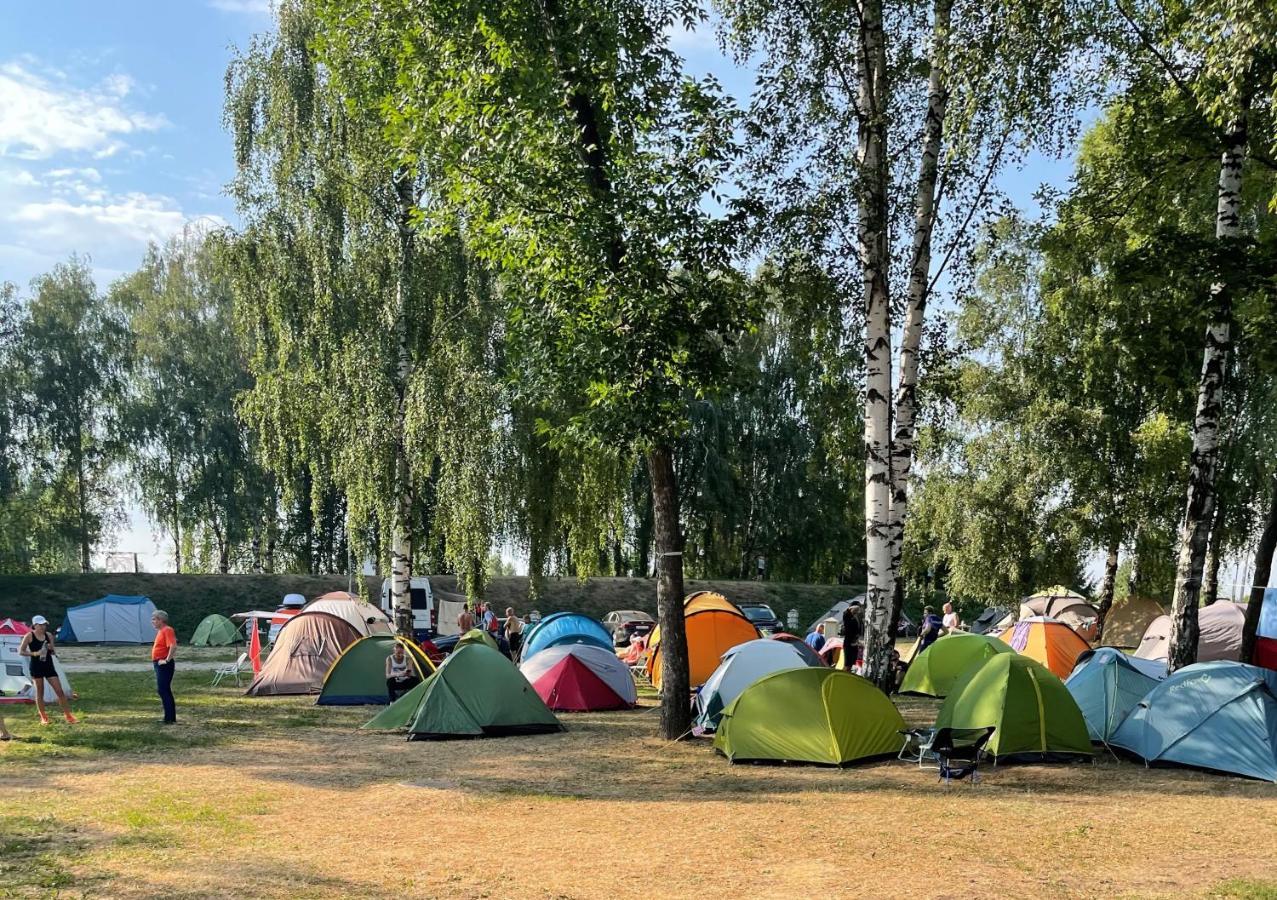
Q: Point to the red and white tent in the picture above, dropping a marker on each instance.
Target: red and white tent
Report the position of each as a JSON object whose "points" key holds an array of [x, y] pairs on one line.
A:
{"points": [[580, 678]]}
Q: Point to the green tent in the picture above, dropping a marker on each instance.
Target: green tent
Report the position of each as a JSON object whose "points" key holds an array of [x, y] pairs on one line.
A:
{"points": [[476, 692], [810, 715], [358, 676], [477, 636], [1033, 712], [935, 670], [215, 631]]}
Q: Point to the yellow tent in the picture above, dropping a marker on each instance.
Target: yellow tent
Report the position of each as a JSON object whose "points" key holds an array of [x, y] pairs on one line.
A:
{"points": [[1128, 619]]}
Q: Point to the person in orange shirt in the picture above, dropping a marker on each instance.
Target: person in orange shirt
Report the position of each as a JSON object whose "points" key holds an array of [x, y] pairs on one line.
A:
{"points": [[162, 652]]}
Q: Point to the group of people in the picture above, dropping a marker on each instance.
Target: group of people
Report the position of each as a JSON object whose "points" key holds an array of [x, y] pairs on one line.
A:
{"points": [[853, 629], [508, 628], [40, 649]]}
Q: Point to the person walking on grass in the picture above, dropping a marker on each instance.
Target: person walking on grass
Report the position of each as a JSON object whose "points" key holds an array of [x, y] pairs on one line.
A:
{"points": [[162, 652], [38, 647], [513, 631]]}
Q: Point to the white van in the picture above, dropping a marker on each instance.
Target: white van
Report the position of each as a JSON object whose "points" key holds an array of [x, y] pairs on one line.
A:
{"points": [[425, 615]]}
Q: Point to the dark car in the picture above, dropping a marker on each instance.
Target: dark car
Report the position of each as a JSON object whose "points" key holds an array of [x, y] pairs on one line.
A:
{"points": [[624, 624], [762, 617]]}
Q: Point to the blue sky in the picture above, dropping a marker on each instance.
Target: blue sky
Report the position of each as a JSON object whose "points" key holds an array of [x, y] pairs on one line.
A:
{"points": [[111, 136]]}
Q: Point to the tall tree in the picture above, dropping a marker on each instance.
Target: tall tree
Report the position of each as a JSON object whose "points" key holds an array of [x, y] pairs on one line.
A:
{"points": [[582, 158], [70, 378], [993, 81], [372, 336]]}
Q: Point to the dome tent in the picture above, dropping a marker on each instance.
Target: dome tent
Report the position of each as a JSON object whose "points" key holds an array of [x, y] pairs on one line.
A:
{"points": [[113, 619], [1065, 606], [1219, 633], [1052, 643], [710, 634], [741, 666], [811, 715], [1107, 684], [1218, 715], [935, 670], [1128, 619], [804, 649], [215, 631], [476, 692], [305, 650], [358, 676], [1034, 715], [565, 628], [580, 678], [364, 617]]}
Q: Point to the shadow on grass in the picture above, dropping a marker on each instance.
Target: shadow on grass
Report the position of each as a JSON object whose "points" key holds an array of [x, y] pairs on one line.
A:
{"points": [[601, 756]]}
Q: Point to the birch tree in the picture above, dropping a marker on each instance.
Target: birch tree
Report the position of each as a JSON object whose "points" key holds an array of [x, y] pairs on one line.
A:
{"points": [[833, 76], [370, 327]]}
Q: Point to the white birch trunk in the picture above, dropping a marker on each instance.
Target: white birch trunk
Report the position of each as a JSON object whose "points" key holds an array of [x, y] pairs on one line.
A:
{"points": [[871, 238], [401, 531], [1200, 502], [906, 402]]}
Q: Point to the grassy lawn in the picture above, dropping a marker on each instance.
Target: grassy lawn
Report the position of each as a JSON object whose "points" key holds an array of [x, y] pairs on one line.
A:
{"points": [[279, 798]]}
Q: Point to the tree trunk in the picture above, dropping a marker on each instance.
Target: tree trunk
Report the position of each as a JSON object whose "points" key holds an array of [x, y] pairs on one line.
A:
{"points": [[1108, 587], [83, 503], [1210, 578], [906, 402], [174, 508], [1263, 572], [1200, 500], [401, 534], [676, 710], [871, 239]]}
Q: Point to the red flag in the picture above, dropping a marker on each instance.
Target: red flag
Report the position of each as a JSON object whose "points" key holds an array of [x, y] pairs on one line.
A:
{"points": [[255, 647]]}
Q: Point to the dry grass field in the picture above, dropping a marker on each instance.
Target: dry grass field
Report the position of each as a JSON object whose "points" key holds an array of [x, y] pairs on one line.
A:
{"points": [[279, 798]]}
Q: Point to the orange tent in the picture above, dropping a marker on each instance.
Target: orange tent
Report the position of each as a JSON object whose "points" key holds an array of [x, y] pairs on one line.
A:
{"points": [[1052, 643], [710, 634], [700, 600]]}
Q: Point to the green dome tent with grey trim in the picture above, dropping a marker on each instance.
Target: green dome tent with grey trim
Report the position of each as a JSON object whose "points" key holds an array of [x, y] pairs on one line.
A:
{"points": [[215, 631], [476, 692]]}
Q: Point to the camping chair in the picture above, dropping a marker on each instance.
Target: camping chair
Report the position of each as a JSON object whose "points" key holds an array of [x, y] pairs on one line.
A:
{"points": [[960, 752], [230, 670], [917, 746]]}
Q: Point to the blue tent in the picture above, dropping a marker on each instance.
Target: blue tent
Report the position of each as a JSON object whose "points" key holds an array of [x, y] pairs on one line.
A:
{"points": [[1107, 684], [1219, 715], [565, 628], [114, 619]]}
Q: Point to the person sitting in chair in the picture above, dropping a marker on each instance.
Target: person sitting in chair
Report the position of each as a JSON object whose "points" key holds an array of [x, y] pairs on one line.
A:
{"points": [[401, 673]]}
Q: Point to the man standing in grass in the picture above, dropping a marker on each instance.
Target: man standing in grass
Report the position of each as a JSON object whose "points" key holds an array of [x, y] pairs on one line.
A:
{"points": [[162, 661]]}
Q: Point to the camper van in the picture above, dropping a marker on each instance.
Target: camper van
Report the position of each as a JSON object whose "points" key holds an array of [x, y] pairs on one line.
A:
{"points": [[425, 615]]}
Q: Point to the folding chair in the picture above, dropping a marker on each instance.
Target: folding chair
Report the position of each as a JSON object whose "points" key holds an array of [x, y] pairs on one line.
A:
{"points": [[230, 670], [917, 746], [959, 751]]}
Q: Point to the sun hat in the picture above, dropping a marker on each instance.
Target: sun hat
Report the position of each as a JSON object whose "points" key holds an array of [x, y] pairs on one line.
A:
{"points": [[39, 620]]}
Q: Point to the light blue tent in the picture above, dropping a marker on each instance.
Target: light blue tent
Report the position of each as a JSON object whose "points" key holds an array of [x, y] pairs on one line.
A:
{"points": [[565, 628], [114, 619], [1107, 684], [1218, 715]]}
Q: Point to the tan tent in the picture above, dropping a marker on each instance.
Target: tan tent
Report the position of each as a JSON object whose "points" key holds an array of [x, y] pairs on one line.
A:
{"points": [[303, 653], [1065, 606], [1220, 633], [1128, 619], [364, 617]]}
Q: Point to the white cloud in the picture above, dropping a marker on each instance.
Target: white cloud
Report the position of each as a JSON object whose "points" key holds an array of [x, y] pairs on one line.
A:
{"points": [[18, 178], [108, 225], [42, 115], [251, 7]]}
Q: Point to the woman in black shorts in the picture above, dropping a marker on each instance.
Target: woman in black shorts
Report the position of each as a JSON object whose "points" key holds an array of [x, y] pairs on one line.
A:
{"points": [[37, 645]]}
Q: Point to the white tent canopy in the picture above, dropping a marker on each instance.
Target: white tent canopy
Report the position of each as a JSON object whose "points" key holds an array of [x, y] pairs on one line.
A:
{"points": [[741, 666]]}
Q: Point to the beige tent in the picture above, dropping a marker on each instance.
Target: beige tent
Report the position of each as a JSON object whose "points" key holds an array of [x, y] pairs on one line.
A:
{"points": [[1220, 633], [303, 653], [1128, 619], [364, 617], [1065, 606]]}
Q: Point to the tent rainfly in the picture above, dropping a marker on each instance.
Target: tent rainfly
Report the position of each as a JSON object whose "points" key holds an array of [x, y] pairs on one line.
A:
{"points": [[114, 619], [358, 676], [1107, 684], [742, 666], [935, 670], [215, 631], [580, 678], [303, 653]]}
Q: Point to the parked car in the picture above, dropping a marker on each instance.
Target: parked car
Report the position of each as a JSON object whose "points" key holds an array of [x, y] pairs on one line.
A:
{"points": [[624, 624], [762, 617]]}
